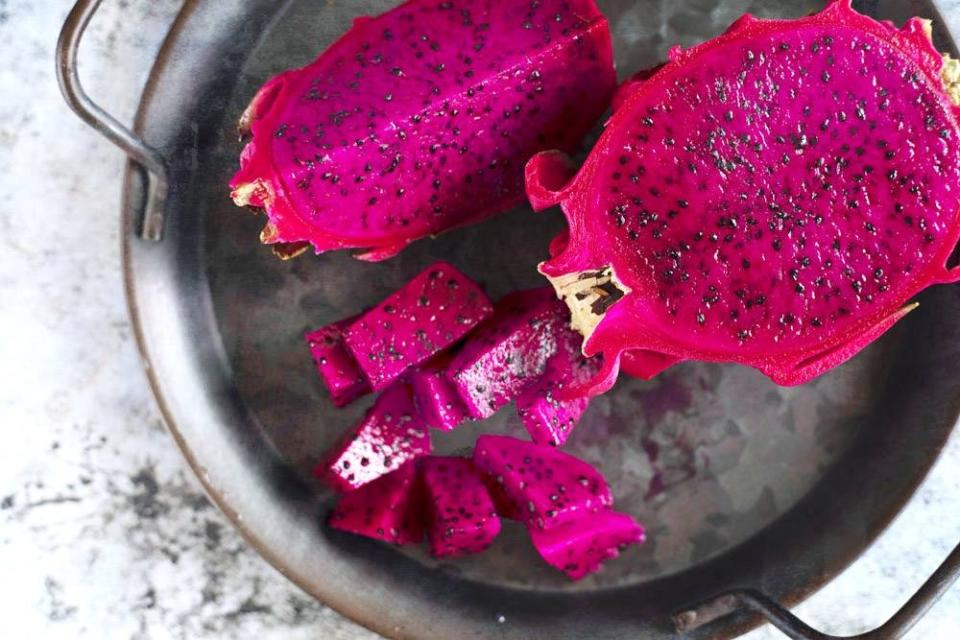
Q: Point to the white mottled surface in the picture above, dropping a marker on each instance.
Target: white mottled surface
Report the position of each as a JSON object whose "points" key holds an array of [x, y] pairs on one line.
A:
{"points": [[103, 534]]}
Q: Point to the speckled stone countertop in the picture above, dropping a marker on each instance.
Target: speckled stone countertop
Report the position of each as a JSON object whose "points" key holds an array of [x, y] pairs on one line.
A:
{"points": [[103, 532]]}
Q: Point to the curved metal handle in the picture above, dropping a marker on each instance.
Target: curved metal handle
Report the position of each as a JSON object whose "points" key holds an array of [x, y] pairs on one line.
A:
{"points": [[748, 599], [139, 151]]}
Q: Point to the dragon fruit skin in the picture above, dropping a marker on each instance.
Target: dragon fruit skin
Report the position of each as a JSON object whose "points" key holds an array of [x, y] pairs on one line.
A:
{"points": [[772, 197], [548, 418], [461, 517], [431, 312], [389, 508], [436, 397], [646, 364], [579, 548], [420, 120], [508, 352], [390, 434], [337, 368], [543, 486]]}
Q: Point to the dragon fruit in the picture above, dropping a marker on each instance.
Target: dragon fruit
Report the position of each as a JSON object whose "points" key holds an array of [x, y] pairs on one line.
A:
{"points": [[337, 368], [431, 312], [388, 509], [548, 418], [543, 487], [461, 515], [508, 352], [390, 434], [436, 396], [420, 120], [578, 548], [772, 197]]}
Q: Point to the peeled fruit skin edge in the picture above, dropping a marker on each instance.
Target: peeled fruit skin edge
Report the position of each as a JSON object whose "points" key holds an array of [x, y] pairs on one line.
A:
{"points": [[589, 264]]}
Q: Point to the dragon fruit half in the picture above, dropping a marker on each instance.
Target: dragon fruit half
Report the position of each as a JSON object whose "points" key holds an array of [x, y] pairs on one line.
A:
{"points": [[431, 312], [772, 197], [390, 434], [540, 485], [388, 509], [420, 120], [461, 516]]}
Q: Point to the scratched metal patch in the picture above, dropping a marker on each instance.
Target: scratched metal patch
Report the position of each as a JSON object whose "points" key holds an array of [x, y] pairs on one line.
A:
{"points": [[705, 455]]}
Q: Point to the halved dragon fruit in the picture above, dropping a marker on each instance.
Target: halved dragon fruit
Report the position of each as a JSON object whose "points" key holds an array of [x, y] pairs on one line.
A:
{"points": [[548, 418], [772, 197], [508, 352], [461, 514], [420, 120], [337, 368], [390, 508], [543, 487], [431, 312], [579, 548], [390, 434], [436, 396]]}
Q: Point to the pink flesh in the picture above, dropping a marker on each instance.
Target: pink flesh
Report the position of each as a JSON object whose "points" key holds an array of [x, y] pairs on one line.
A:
{"points": [[421, 119], [390, 434], [548, 418], [436, 397], [789, 252], [388, 509], [579, 548], [545, 486], [431, 312], [462, 517], [337, 368], [508, 352]]}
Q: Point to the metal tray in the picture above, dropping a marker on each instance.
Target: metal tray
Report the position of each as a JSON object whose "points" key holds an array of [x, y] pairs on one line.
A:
{"points": [[745, 487]]}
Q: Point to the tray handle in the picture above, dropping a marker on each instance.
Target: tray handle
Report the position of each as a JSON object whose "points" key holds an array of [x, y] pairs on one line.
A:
{"points": [[149, 159], [777, 615]]}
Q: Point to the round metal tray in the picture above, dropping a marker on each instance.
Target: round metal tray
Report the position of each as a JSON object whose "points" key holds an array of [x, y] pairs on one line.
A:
{"points": [[743, 485]]}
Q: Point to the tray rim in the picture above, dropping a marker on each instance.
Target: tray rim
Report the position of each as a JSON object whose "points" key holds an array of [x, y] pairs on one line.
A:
{"points": [[131, 194]]}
